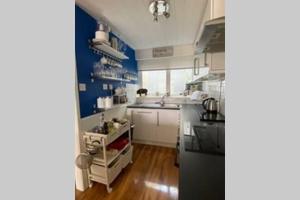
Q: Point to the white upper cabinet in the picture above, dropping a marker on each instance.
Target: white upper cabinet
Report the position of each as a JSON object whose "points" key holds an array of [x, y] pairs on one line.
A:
{"points": [[217, 64], [218, 8], [214, 9], [215, 61]]}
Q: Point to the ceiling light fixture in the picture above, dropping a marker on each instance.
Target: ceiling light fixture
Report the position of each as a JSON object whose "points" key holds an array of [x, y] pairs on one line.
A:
{"points": [[159, 8]]}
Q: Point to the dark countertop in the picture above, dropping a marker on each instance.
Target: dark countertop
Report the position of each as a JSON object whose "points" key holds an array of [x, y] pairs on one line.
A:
{"points": [[155, 106], [202, 176]]}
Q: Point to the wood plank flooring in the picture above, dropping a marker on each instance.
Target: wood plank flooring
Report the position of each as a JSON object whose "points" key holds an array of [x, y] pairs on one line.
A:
{"points": [[152, 176]]}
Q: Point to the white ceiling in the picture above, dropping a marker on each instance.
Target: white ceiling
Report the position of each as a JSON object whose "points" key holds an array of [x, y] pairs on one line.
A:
{"points": [[134, 23]]}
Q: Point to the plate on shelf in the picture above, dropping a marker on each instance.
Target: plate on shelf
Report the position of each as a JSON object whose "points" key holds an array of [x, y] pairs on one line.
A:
{"points": [[101, 41]]}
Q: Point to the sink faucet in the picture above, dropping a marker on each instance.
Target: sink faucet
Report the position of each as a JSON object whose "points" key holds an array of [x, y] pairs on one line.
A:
{"points": [[162, 101]]}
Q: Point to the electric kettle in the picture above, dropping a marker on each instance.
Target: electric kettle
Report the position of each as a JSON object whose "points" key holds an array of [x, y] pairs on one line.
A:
{"points": [[210, 105]]}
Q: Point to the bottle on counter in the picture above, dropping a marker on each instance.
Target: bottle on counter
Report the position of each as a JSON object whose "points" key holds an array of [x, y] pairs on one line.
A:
{"points": [[105, 128], [101, 102], [101, 120]]}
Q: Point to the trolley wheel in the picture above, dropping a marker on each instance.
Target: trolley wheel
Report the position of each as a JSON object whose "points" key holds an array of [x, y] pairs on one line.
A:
{"points": [[109, 189]]}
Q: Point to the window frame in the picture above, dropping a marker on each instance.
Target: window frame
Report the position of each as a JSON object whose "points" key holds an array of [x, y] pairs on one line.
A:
{"points": [[168, 79], [140, 73]]}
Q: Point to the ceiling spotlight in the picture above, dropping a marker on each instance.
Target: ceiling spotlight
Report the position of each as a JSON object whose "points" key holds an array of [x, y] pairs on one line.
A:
{"points": [[159, 8]]}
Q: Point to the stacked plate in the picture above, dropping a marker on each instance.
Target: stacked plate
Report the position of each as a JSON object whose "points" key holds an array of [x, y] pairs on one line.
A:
{"points": [[101, 41]]}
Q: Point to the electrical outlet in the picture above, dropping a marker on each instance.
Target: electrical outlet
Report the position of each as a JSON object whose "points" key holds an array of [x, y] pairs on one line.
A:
{"points": [[82, 87], [110, 86], [104, 86]]}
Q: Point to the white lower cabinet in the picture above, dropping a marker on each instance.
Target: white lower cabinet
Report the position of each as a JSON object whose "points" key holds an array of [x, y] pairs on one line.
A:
{"points": [[167, 126], [155, 126], [145, 123], [217, 62]]}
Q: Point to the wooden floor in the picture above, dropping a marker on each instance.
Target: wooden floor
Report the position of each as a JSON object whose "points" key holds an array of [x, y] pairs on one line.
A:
{"points": [[152, 176]]}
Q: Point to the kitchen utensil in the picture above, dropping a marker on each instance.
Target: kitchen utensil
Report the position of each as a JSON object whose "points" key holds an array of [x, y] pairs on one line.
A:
{"points": [[84, 161], [210, 105]]}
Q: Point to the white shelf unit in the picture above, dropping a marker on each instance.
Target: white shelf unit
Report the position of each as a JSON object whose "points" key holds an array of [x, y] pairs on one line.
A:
{"points": [[114, 107], [106, 167], [107, 50]]}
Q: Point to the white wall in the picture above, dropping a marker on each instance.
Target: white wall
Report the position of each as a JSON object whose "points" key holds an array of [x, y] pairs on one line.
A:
{"points": [[81, 180], [183, 57]]}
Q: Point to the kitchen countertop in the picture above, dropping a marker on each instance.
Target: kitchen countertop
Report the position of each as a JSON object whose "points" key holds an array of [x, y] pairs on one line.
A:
{"points": [[155, 106], [202, 176]]}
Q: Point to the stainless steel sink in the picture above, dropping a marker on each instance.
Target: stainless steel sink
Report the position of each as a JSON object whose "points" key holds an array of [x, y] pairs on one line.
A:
{"points": [[171, 105]]}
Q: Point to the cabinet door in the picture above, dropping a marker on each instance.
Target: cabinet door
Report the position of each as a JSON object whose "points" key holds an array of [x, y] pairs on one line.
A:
{"points": [[218, 8], [145, 122], [202, 60], [167, 126], [217, 62]]}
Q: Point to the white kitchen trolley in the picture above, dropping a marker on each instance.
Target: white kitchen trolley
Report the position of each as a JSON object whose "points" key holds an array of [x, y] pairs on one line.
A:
{"points": [[107, 164]]}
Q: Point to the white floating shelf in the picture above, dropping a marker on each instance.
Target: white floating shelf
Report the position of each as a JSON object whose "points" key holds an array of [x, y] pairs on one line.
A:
{"points": [[109, 50], [111, 78]]}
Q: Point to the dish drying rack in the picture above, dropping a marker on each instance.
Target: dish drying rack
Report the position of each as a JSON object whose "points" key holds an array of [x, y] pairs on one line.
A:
{"points": [[107, 165]]}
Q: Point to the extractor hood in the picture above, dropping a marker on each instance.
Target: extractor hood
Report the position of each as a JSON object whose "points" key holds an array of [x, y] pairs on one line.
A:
{"points": [[213, 37], [209, 77]]}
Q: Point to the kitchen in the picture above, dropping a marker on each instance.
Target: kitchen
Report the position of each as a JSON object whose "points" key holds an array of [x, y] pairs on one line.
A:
{"points": [[150, 99]]}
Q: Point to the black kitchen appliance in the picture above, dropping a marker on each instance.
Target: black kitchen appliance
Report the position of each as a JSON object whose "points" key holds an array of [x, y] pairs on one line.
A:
{"points": [[207, 138]]}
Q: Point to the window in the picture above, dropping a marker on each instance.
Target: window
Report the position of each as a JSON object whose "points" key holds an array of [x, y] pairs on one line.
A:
{"points": [[155, 82], [180, 77]]}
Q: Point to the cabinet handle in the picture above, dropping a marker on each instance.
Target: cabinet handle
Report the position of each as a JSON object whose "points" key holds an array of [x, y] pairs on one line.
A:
{"points": [[157, 118], [205, 60], [196, 66]]}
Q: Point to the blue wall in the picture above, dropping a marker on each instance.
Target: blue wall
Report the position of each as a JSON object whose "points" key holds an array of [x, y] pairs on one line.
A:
{"points": [[85, 27]]}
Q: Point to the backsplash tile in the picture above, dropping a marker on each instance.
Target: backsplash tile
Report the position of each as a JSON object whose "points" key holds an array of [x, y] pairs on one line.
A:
{"points": [[216, 89]]}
